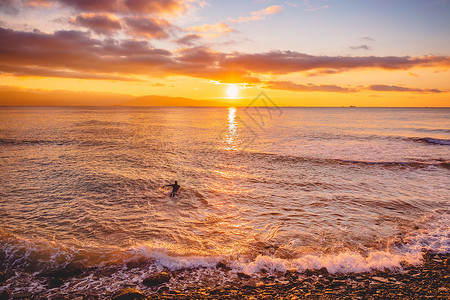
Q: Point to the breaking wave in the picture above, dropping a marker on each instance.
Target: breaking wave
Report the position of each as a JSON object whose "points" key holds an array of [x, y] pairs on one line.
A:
{"points": [[433, 141], [433, 235], [335, 161]]}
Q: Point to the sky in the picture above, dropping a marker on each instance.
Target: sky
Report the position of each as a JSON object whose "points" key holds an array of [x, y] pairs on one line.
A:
{"points": [[299, 52]]}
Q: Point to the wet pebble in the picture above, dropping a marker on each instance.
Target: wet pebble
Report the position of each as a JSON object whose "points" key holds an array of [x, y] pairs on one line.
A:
{"points": [[156, 279]]}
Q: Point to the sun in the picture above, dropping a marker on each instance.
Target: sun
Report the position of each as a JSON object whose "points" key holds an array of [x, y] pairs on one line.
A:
{"points": [[232, 91]]}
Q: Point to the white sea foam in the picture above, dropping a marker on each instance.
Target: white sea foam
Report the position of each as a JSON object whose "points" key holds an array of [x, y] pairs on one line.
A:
{"points": [[433, 235], [166, 261], [347, 262]]}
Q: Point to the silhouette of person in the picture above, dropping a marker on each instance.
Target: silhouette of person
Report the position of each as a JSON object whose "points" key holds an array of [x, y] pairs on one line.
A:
{"points": [[175, 188]]}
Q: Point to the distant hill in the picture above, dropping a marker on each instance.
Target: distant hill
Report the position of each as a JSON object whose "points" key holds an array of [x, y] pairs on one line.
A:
{"points": [[69, 98], [154, 100], [59, 98]]}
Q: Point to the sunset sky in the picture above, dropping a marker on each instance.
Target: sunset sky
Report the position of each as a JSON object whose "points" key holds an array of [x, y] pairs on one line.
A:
{"points": [[300, 52]]}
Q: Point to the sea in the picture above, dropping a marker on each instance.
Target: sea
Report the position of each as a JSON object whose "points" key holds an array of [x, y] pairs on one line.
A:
{"points": [[263, 189]]}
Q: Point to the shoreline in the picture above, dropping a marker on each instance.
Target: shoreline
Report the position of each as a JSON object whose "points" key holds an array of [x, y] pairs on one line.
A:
{"points": [[430, 280]]}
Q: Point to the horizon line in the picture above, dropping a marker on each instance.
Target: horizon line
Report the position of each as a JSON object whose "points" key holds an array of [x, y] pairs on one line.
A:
{"points": [[225, 106]]}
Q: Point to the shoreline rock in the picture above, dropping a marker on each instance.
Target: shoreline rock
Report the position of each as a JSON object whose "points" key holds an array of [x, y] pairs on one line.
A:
{"points": [[128, 294], [156, 279], [428, 281]]}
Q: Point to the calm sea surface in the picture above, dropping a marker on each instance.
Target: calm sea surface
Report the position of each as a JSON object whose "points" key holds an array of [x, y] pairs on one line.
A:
{"points": [[349, 189]]}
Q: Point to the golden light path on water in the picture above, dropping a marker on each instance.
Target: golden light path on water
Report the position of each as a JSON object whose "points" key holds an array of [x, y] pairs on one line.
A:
{"points": [[231, 137]]}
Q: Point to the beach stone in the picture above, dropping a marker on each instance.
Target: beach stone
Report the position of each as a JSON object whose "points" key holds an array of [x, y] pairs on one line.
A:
{"points": [[156, 279], [2, 256], [5, 295], [380, 279], [56, 282], [336, 283], [22, 295], [251, 284], [128, 294], [2, 277], [223, 266], [243, 275], [60, 297], [163, 289], [72, 269], [322, 271]]}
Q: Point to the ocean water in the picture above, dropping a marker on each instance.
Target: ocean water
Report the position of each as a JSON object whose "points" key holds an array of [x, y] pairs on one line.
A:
{"points": [[349, 189]]}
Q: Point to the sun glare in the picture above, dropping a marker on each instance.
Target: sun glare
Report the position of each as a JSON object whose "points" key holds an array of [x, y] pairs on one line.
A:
{"points": [[232, 91]]}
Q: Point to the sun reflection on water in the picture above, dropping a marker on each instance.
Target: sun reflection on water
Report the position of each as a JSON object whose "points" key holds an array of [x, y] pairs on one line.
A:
{"points": [[231, 135]]}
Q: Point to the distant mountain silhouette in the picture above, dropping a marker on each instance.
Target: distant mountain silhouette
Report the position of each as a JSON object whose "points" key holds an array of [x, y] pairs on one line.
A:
{"points": [[59, 98], [154, 100], [69, 98]]}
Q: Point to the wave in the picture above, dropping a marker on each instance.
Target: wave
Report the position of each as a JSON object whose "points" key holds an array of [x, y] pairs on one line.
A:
{"points": [[32, 262], [100, 123], [334, 161], [33, 142], [431, 235], [432, 141], [412, 164]]}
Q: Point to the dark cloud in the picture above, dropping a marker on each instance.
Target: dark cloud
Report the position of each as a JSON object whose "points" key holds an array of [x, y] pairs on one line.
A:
{"points": [[324, 72], [291, 86], [394, 88], [78, 52], [9, 7], [103, 6], [148, 27], [284, 62], [99, 23], [127, 48], [203, 55], [121, 6], [189, 39], [361, 47], [93, 6]]}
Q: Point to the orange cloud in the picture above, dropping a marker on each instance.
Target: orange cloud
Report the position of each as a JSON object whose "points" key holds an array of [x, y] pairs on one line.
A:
{"points": [[57, 73], [212, 30], [77, 52], [258, 15], [39, 3], [155, 6]]}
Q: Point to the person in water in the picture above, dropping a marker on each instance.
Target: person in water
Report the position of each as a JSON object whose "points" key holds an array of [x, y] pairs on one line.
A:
{"points": [[175, 188]]}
